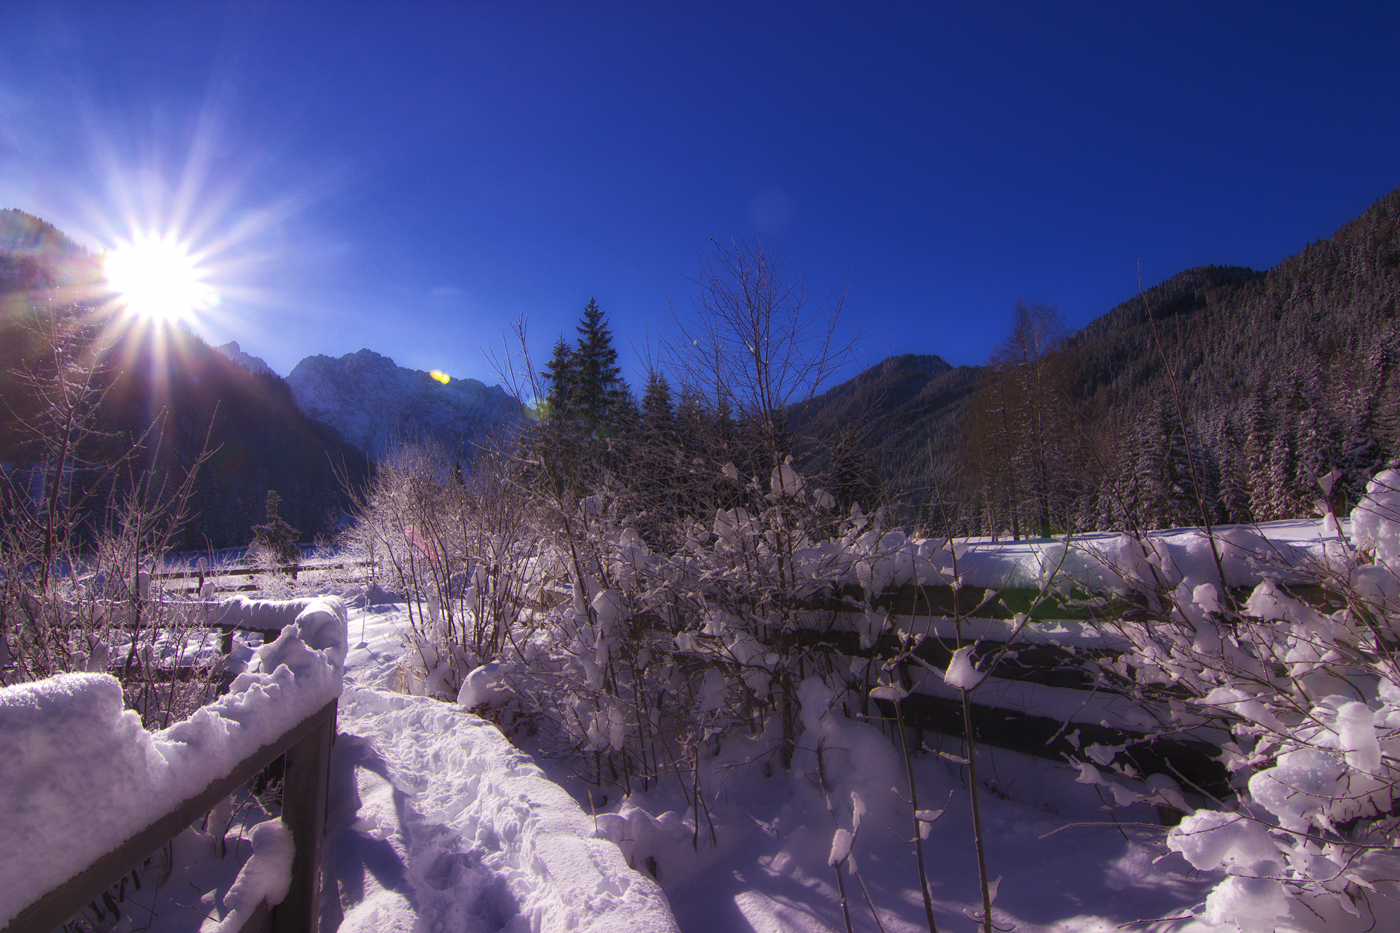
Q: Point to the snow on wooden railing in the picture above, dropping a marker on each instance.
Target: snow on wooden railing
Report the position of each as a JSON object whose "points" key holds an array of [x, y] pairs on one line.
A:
{"points": [[86, 792]]}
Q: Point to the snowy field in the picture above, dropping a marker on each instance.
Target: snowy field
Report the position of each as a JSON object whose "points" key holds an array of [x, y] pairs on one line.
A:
{"points": [[437, 822]]}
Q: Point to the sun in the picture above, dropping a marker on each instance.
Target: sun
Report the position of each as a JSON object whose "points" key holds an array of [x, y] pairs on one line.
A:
{"points": [[157, 279]]}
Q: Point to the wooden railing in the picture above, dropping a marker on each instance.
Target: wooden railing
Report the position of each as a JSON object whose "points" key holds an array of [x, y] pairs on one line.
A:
{"points": [[306, 750]]}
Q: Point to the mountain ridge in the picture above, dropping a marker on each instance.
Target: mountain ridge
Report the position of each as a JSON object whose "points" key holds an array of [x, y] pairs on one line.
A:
{"points": [[375, 404]]}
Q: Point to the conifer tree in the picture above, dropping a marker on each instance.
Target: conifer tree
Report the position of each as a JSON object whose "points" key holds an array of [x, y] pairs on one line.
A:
{"points": [[658, 418], [598, 387], [276, 536], [1257, 457], [561, 376]]}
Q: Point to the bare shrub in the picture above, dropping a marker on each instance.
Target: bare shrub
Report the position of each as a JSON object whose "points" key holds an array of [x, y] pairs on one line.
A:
{"points": [[81, 534]]}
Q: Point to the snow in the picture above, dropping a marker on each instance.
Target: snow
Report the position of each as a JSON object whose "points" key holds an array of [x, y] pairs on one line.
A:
{"points": [[961, 674], [770, 868], [83, 775], [1376, 522], [1249, 554], [486, 686], [769, 864], [222, 868], [375, 404], [417, 799], [436, 821], [264, 878]]}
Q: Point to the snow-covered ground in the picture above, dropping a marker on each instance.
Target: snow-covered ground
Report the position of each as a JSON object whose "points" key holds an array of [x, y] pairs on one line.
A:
{"points": [[403, 846], [760, 859], [436, 822]]}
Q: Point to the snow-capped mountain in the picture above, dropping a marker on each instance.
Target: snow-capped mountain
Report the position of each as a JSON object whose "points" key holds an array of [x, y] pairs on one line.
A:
{"points": [[375, 404], [254, 364]]}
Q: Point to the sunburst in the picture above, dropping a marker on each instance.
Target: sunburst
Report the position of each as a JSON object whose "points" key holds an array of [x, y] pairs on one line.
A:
{"points": [[158, 279]]}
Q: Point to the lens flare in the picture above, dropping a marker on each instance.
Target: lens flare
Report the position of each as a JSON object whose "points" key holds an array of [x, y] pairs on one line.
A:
{"points": [[440, 376], [157, 279]]}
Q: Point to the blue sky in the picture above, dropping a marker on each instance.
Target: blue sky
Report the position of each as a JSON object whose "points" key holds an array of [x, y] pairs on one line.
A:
{"points": [[414, 177]]}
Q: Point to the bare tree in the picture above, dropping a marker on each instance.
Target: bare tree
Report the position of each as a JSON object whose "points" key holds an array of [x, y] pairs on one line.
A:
{"points": [[756, 340], [84, 519]]}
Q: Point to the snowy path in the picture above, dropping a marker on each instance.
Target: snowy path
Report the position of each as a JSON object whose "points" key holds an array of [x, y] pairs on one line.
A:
{"points": [[390, 864], [437, 823]]}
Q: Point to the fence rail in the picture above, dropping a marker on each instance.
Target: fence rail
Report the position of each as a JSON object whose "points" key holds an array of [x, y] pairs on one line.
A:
{"points": [[1184, 754]]}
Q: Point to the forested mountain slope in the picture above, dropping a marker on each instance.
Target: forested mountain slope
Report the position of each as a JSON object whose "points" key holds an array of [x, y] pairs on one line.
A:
{"points": [[909, 407], [1282, 375]]}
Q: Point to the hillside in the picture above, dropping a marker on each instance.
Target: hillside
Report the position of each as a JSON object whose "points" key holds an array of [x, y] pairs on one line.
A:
{"points": [[909, 405], [1283, 374]]}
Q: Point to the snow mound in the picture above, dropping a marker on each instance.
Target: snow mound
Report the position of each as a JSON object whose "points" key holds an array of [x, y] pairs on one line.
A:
{"points": [[80, 775], [464, 775], [486, 686]]}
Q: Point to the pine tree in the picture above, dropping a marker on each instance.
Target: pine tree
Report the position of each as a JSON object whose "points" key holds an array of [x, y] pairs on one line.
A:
{"points": [[1257, 450], [1282, 469], [658, 418], [624, 418], [561, 375], [276, 536], [598, 382], [1151, 471]]}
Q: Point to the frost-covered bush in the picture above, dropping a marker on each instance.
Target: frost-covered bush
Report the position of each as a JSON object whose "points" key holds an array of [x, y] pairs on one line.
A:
{"points": [[81, 596], [1300, 660], [459, 547], [656, 654]]}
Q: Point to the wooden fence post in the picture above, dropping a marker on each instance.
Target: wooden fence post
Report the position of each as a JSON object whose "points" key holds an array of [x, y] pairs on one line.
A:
{"points": [[304, 813]]}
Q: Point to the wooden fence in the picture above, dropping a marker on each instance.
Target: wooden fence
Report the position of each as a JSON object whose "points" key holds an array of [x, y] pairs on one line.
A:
{"points": [[1051, 668], [306, 748], [199, 577], [305, 753], [1192, 760]]}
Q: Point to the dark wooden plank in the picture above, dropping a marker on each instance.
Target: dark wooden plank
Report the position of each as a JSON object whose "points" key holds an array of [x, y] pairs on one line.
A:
{"points": [[975, 602], [55, 908], [304, 813], [980, 603], [1030, 662], [1044, 737]]}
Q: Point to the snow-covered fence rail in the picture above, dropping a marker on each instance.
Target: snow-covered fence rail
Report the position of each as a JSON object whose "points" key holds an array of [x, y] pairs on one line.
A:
{"points": [[199, 576], [86, 791], [1046, 694]]}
